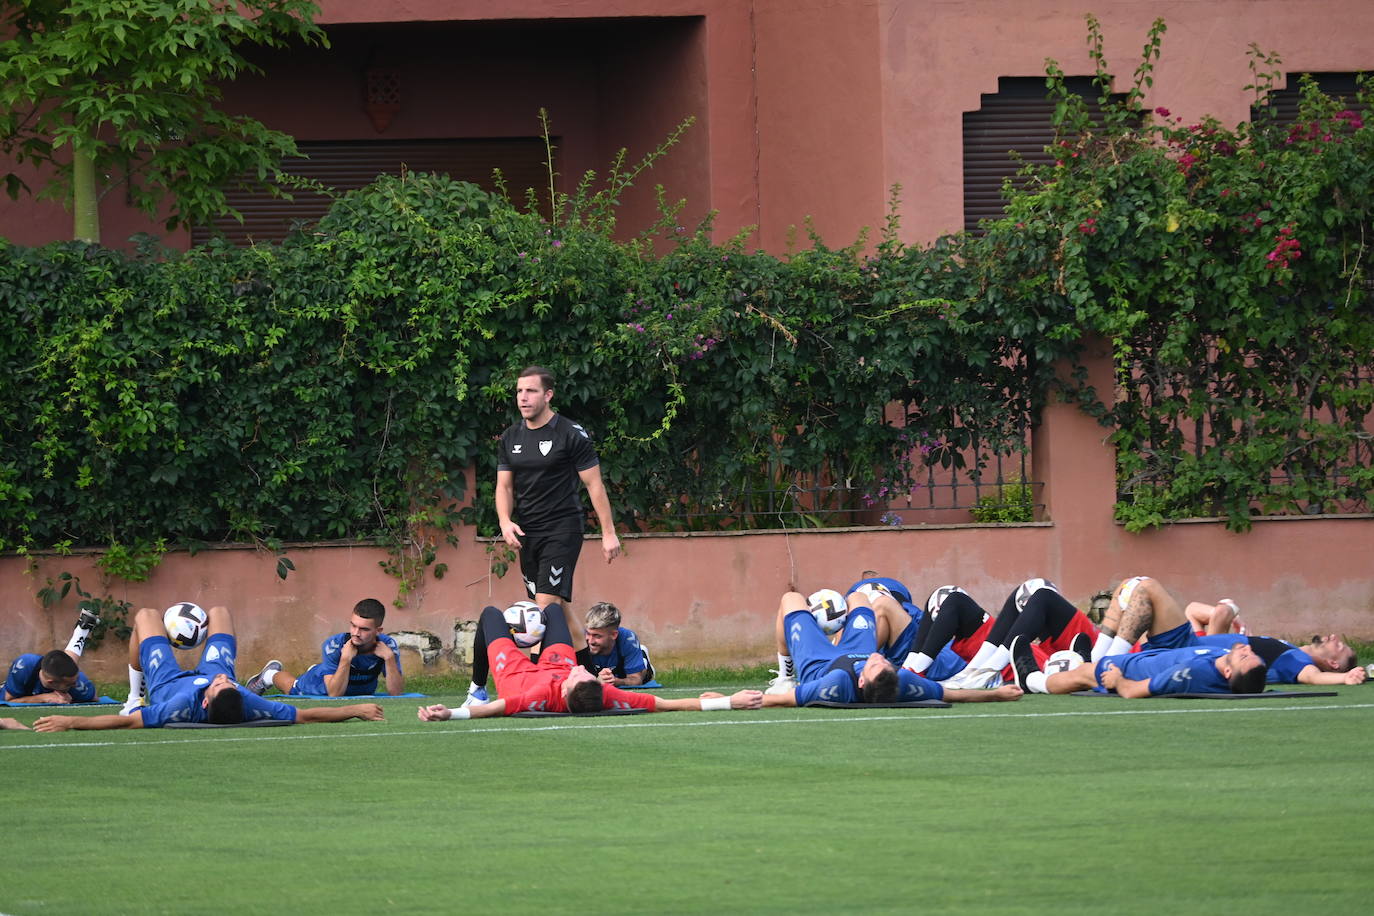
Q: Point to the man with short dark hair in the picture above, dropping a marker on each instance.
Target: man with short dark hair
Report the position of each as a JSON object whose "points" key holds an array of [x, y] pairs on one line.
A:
{"points": [[852, 670], [54, 677], [544, 461], [205, 694], [351, 663], [614, 653], [556, 683]]}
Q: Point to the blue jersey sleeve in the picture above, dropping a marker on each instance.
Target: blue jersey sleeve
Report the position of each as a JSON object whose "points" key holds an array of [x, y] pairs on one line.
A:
{"points": [[329, 650], [255, 708], [22, 674], [911, 687], [1288, 666], [83, 691], [630, 650], [835, 687]]}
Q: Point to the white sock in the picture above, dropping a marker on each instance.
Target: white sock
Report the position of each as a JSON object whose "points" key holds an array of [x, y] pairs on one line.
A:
{"points": [[1035, 682], [77, 644], [473, 687], [135, 683], [1119, 646], [918, 662], [1100, 647], [785, 667], [998, 658], [981, 656]]}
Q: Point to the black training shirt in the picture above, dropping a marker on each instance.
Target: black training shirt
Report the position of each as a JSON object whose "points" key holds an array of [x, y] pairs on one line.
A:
{"points": [[546, 462]]}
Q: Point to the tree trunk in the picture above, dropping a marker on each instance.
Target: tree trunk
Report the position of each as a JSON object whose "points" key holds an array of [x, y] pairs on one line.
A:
{"points": [[85, 203]]}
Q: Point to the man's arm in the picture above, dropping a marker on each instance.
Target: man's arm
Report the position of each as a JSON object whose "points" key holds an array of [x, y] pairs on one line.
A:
{"points": [[1311, 674], [634, 678], [335, 684], [1112, 679], [7, 722], [395, 680], [789, 698], [88, 723], [311, 714], [601, 505], [441, 713], [743, 699], [505, 508], [52, 696]]}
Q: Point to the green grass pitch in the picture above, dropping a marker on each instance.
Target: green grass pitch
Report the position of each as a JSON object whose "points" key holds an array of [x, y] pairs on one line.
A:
{"points": [[1047, 805]]}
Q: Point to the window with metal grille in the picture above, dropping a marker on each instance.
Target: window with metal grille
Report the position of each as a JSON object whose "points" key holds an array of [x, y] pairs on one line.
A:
{"points": [[346, 165]]}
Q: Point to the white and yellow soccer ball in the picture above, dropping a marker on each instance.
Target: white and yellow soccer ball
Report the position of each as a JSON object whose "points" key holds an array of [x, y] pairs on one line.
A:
{"points": [[829, 609], [527, 623], [187, 625], [1061, 661]]}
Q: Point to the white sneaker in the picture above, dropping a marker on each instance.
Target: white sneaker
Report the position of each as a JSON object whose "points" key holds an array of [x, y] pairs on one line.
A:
{"points": [[781, 684], [130, 705], [477, 697], [259, 682]]}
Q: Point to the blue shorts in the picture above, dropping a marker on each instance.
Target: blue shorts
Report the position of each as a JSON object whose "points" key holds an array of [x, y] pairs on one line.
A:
{"points": [[160, 665], [1180, 637], [311, 682], [812, 651]]}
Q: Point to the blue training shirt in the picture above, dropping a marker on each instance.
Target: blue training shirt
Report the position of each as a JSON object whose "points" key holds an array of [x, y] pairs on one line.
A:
{"points": [[947, 662], [830, 673], [176, 696], [1284, 659], [23, 681], [626, 655], [363, 672], [1188, 670]]}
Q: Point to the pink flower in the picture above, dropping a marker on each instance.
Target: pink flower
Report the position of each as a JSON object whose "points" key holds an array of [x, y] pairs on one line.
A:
{"points": [[1162, 112]]}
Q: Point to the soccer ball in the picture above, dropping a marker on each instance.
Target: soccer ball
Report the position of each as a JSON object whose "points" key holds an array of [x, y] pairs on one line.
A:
{"points": [[527, 622], [1061, 661], [829, 609], [187, 625], [939, 596], [1030, 587]]}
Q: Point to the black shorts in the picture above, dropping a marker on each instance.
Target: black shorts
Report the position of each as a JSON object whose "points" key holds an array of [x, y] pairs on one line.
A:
{"points": [[547, 562]]}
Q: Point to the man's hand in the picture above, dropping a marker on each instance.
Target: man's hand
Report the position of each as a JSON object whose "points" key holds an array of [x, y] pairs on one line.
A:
{"points": [[347, 652], [7, 722], [372, 712], [607, 676], [436, 713], [52, 696], [54, 723], [610, 546], [743, 699], [1111, 676], [511, 534], [383, 651], [1356, 675]]}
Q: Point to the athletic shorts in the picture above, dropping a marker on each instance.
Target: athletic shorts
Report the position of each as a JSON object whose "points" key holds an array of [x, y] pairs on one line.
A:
{"points": [[1064, 641], [160, 666], [311, 682], [812, 651], [547, 562], [515, 674], [1180, 637]]}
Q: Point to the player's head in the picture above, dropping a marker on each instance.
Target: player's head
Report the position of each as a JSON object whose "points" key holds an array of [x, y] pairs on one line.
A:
{"points": [[1332, 653], [603, 626], [366, 624], [878, 680], [1243, 669], [582, 691], [57, 670], [534, 392], [223, 702]]}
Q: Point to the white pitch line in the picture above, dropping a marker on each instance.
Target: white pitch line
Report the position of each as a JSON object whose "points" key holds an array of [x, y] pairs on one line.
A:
{"points": [[439, 728]]}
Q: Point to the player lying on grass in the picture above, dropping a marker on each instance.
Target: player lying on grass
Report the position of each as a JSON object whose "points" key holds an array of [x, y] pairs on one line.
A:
{"points": [[1149, 673], [55, 676], [556, 683], [614, 653], [350, 665], [1141, 606], [1035, 610], [900, 625], [206, 693], [852, 671]]}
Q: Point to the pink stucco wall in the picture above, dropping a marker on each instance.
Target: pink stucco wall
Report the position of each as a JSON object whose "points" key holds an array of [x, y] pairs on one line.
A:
{"points": [[805, 108]]}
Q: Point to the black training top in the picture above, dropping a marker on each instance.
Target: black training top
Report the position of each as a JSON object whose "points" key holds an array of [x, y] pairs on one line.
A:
{"points": [[546, 462]]}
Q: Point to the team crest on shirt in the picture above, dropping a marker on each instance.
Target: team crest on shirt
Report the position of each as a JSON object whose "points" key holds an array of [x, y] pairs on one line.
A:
{"points": [[861, 623], [545, 445]]}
